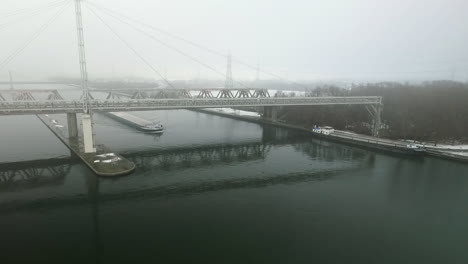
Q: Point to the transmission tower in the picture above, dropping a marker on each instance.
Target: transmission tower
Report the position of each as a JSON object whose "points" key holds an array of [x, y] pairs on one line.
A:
{"points": [[11, 80], [229, 84], [258, 72]]}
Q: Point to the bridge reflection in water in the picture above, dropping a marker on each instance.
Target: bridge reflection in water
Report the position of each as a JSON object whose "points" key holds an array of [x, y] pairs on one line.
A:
{"points": [[21, 176], [25, 177], [34, 174]]}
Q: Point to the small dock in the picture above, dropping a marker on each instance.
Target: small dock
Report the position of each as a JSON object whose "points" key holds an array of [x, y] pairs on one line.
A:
{"points": [[103, 162], [128, 119]]}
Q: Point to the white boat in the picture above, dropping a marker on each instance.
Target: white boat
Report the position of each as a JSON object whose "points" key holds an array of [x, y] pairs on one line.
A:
{"points": [[327, 130], [416, 147], [154, 128]]}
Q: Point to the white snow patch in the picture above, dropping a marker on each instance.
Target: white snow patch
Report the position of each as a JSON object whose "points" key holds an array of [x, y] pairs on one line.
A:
{"points": [[105, 155], [464, 154], [235, 112]]}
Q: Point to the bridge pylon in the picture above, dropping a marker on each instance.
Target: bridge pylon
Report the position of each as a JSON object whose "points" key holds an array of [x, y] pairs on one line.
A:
{"points": [[86, 117], [88, 136]]}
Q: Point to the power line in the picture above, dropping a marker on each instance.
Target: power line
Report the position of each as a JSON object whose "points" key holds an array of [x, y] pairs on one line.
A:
{"points": [[28, 16], [159, 29], [193, 43], [131, 48], [31, 9], [253, 67], [15, 53], [173, 48]]}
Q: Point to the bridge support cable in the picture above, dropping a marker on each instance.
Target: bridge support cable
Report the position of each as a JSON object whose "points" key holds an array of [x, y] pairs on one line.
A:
{"points": [[27, 11], [209, 50], [185, 54], [16, 52], [17, 18], [131, 48]]}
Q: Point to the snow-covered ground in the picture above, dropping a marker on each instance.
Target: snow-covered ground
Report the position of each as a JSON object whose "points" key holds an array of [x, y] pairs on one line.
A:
{"points": [[446, 147], [455, 149], [464, 154], [235, 112]]}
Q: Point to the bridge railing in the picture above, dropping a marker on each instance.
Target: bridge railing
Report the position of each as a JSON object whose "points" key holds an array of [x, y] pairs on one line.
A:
{"points": [[63, 106]]}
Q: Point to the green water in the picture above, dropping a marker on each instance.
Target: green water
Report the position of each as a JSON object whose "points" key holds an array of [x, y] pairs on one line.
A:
{"points": [[216, 190]]}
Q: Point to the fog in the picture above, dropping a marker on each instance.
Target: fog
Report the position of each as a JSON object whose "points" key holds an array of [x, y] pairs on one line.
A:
{"points": [[355, 40]]}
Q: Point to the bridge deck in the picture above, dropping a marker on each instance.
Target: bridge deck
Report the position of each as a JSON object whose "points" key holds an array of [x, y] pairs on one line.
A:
{"points": [[75, 106]]}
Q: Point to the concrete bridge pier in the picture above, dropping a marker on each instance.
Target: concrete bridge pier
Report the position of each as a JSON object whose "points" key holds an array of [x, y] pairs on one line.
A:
{"points": [[270, 112], [88, 136], [72, 125]]}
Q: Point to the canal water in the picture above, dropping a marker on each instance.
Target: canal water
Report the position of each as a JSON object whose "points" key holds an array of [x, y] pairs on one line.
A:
{"points": [[216, 190]]}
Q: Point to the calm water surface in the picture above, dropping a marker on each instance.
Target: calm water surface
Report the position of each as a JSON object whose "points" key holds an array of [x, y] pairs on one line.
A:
{"points": [[216, 190]]}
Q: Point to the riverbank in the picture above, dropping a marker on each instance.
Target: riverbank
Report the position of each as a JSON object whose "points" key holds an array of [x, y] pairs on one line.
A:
{"points": [[349, 138]]}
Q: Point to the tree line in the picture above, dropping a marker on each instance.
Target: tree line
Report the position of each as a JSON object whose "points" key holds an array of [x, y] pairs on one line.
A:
{"points": [[431, 111]]}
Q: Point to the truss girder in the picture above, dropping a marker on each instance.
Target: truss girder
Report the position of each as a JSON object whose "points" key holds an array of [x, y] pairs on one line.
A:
{"points": [[75, 106]]}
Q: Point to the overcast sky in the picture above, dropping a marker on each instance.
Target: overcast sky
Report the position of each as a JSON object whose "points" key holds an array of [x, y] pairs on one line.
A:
{"points": [[297, 39]]}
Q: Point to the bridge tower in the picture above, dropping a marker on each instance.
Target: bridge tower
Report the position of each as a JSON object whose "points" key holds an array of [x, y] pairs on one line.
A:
{"points": [[86, 117]]}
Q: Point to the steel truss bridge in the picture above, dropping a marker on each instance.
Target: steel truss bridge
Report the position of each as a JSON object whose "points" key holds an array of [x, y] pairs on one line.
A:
{"points": [[24, 102]]}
